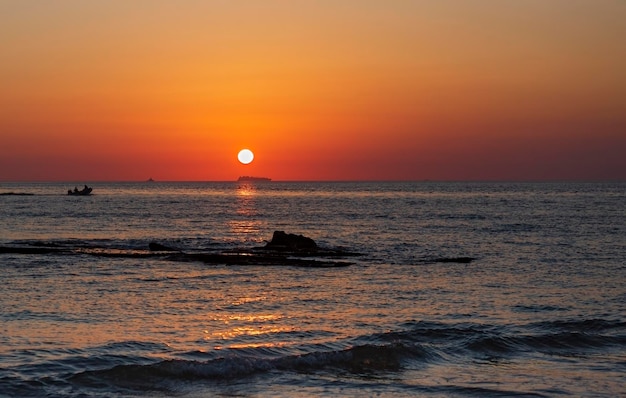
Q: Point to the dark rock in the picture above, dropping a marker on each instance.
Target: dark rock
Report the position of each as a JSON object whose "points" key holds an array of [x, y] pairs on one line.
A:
{"points": [[285, 250], [291, 242]]}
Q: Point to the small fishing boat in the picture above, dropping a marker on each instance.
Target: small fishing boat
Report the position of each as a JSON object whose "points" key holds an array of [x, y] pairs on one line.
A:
{"points": [[83, 192]]}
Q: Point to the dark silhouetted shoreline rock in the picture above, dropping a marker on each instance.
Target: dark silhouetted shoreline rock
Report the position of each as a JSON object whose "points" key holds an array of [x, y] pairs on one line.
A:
{"points": [[284, 250], [282, 241], [301, 246]]}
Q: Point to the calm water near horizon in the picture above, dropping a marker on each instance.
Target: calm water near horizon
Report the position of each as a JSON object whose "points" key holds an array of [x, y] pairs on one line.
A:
{"points": [[540, 311]]}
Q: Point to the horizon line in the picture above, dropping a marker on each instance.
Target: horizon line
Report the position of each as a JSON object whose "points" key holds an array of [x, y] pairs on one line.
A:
{"points": [[82, 181]]}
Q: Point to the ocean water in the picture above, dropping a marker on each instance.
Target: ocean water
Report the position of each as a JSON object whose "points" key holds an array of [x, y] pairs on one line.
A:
{"points": [[87, 311]]}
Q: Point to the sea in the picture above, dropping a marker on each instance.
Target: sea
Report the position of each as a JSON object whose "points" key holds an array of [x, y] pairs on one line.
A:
{"points": [[450, 289]]}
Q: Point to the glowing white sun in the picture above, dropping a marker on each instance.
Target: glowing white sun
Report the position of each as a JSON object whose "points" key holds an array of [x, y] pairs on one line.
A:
{"points": [[245, 156]]}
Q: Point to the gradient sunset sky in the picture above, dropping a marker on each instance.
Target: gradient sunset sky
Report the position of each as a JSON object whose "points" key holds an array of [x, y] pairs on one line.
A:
{"points": [[320, 90]]}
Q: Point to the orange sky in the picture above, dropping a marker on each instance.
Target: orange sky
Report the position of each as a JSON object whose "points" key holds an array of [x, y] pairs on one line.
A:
{"points": [[319, 90]]}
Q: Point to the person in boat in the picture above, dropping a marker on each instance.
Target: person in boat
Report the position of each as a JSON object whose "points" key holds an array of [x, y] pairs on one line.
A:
{"points": [[75, 189]]}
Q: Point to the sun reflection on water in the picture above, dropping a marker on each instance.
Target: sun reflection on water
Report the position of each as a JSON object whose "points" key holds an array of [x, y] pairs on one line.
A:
{"points": [[246, 325], [247, 220]]}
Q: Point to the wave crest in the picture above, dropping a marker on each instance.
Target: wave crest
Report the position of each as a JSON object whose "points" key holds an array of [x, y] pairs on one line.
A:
{"points": [[358, 359]]}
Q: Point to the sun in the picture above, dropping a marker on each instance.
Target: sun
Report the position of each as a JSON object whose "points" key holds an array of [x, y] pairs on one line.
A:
{"points": [[245, 156]]}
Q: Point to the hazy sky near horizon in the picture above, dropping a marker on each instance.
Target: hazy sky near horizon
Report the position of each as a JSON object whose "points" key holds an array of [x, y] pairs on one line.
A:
{"points": [[319, 90]]}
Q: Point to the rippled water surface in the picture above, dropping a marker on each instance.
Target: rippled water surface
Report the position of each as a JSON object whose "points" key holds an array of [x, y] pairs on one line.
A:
{"points": [[538, 312]]}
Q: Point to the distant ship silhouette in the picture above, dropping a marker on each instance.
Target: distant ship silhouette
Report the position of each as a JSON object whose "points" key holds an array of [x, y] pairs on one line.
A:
{"points": [[250, 178]]}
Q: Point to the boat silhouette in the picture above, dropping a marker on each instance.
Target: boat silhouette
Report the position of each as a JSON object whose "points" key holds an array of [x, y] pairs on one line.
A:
{"points": [[83, 192]]}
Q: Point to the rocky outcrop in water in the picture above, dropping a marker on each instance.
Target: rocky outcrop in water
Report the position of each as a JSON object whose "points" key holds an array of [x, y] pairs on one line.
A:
{"points": [[282, 241], [285, 249]]}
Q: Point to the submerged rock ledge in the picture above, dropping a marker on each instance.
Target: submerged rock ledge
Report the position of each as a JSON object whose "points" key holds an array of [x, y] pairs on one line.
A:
{"points": [[286, 250], [283, 250]]}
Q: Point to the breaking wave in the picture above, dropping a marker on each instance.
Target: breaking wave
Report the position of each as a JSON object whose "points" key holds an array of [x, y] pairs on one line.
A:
{"points": [[417, 344]]}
